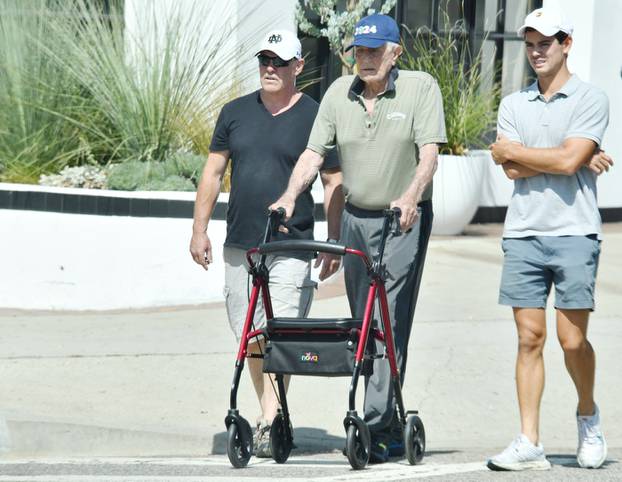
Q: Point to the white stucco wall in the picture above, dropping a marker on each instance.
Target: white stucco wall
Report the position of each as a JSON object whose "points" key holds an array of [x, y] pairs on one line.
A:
{"points": [[53, 261], [606, 73]]}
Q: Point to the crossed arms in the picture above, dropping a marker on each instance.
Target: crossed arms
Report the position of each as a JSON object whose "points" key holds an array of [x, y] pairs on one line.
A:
{"points": [[519, 161]]}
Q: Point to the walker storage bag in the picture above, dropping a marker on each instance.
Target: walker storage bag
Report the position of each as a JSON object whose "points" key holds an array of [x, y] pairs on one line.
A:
{"points": [[299, 346]]}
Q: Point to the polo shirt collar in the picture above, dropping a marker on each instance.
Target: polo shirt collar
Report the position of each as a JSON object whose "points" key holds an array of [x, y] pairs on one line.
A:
{"points": [[357, 85], [571, 85]]}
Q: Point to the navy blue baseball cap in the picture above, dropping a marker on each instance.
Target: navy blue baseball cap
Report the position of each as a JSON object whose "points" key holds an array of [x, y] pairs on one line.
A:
{"points": [[374, 31]]}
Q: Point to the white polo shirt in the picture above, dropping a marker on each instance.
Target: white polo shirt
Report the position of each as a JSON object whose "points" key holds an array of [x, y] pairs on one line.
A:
{"points": [[554, 204]]}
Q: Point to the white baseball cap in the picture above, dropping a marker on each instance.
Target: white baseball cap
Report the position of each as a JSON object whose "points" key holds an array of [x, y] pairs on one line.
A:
{"points": [[546, 21], [283, 43]]}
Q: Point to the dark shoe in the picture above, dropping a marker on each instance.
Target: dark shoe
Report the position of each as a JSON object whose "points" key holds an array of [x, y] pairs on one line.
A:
{"points": [[396, 439], [379, 453], [396, 448]]}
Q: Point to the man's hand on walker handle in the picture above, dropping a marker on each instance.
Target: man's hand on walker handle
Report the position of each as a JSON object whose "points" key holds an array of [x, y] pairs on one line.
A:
{"points": [[288, 205], [409, 212]]}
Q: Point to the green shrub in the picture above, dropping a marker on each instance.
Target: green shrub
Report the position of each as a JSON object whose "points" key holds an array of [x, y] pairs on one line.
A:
{"points": [[128, 176], [171, 183], [180, 172], [188, 165]]}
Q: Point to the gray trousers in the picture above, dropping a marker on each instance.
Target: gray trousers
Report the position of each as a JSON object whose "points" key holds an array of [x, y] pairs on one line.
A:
{"points": [[404, 257]]}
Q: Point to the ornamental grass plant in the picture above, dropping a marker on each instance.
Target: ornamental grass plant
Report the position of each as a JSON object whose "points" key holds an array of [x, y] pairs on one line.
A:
{"points": [[470, 109], [156, 89], [37, 97], [79, 87]]}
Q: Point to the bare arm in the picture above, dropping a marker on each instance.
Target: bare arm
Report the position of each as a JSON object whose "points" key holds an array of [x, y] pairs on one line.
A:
{"points": [[207, 194], [514, 170], [407, 202], [333, 200], [333, 207], [304, 173], [565, 159]]}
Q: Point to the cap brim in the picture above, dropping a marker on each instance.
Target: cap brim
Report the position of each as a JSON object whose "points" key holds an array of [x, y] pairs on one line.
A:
{"points": [[281, 54], [371, 43], [547, 32]]}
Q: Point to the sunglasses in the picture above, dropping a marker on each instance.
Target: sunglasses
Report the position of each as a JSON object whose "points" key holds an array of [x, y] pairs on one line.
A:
{"points": [[276, 61]]}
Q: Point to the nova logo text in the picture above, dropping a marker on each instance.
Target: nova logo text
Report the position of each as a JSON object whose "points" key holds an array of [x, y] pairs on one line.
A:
{"points": [[309, 357]]}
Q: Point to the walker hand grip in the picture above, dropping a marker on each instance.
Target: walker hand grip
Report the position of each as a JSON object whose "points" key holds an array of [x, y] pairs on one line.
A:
{"points": [[394, 215], [302, 245], [397, 229], [275, 218]]}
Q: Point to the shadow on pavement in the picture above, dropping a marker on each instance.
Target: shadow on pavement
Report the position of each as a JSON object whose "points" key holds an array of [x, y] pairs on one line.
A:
{"points": [[310, 440], [570, 460]]}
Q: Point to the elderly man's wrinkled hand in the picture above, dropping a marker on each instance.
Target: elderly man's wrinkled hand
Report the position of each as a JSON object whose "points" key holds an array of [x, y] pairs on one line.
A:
{"points": [[286, 203], [409, 212], [600, 162], [330, 264]]}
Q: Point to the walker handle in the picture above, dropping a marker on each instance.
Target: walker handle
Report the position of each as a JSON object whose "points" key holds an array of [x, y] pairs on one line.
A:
{"points": [[275, 216], [394, 215]]}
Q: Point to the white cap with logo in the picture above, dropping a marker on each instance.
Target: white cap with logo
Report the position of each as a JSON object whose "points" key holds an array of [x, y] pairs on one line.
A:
{"points": [[546, 21], [283, 43]]}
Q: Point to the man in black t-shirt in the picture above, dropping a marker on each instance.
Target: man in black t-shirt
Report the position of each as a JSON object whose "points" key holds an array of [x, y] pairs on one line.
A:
{"points": [[263, 134]]}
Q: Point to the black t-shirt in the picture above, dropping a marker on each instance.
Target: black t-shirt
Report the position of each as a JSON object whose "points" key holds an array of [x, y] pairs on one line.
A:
{"points": [[264, 150]]}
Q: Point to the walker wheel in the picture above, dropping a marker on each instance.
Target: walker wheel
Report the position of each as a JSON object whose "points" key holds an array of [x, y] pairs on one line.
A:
{"points": [[281, 439], [358, 445], [239, 443], [414, 440]]}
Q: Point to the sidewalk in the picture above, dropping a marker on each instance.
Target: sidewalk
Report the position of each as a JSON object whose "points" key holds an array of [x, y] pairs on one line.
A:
{"points": [[157, 382]]}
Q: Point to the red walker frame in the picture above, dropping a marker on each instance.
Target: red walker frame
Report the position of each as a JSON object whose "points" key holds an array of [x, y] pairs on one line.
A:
{"points": [[239, 447]]}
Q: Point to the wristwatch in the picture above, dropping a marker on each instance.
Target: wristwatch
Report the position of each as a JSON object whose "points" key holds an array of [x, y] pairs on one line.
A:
{"points": [[332, 240]]}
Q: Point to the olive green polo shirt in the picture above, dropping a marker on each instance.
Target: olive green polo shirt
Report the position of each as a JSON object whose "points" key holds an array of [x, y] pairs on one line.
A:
{"points": [[379, 153]]}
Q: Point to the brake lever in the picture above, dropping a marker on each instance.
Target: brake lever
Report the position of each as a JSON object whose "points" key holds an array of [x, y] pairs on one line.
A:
{"points": [[397, 214]]}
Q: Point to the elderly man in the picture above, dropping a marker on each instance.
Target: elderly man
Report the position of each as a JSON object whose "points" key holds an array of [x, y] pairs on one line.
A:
{"points": [[387, 125], [263, 134], [547, 134]]}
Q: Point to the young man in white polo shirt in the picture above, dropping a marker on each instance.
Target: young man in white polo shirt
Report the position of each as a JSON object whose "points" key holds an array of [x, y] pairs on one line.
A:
{"points": [[547, 135]]}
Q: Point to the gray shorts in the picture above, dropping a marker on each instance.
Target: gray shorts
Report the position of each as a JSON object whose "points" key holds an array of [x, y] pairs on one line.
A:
{"points": [[532, 264], [291, 289]]}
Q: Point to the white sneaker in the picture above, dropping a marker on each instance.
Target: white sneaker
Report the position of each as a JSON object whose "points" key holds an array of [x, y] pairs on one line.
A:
{"points": [[592, 450], [521, 454]]}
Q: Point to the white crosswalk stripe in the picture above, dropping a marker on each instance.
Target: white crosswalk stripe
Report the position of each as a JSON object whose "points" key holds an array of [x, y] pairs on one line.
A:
{"points": [[85, 469]]}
